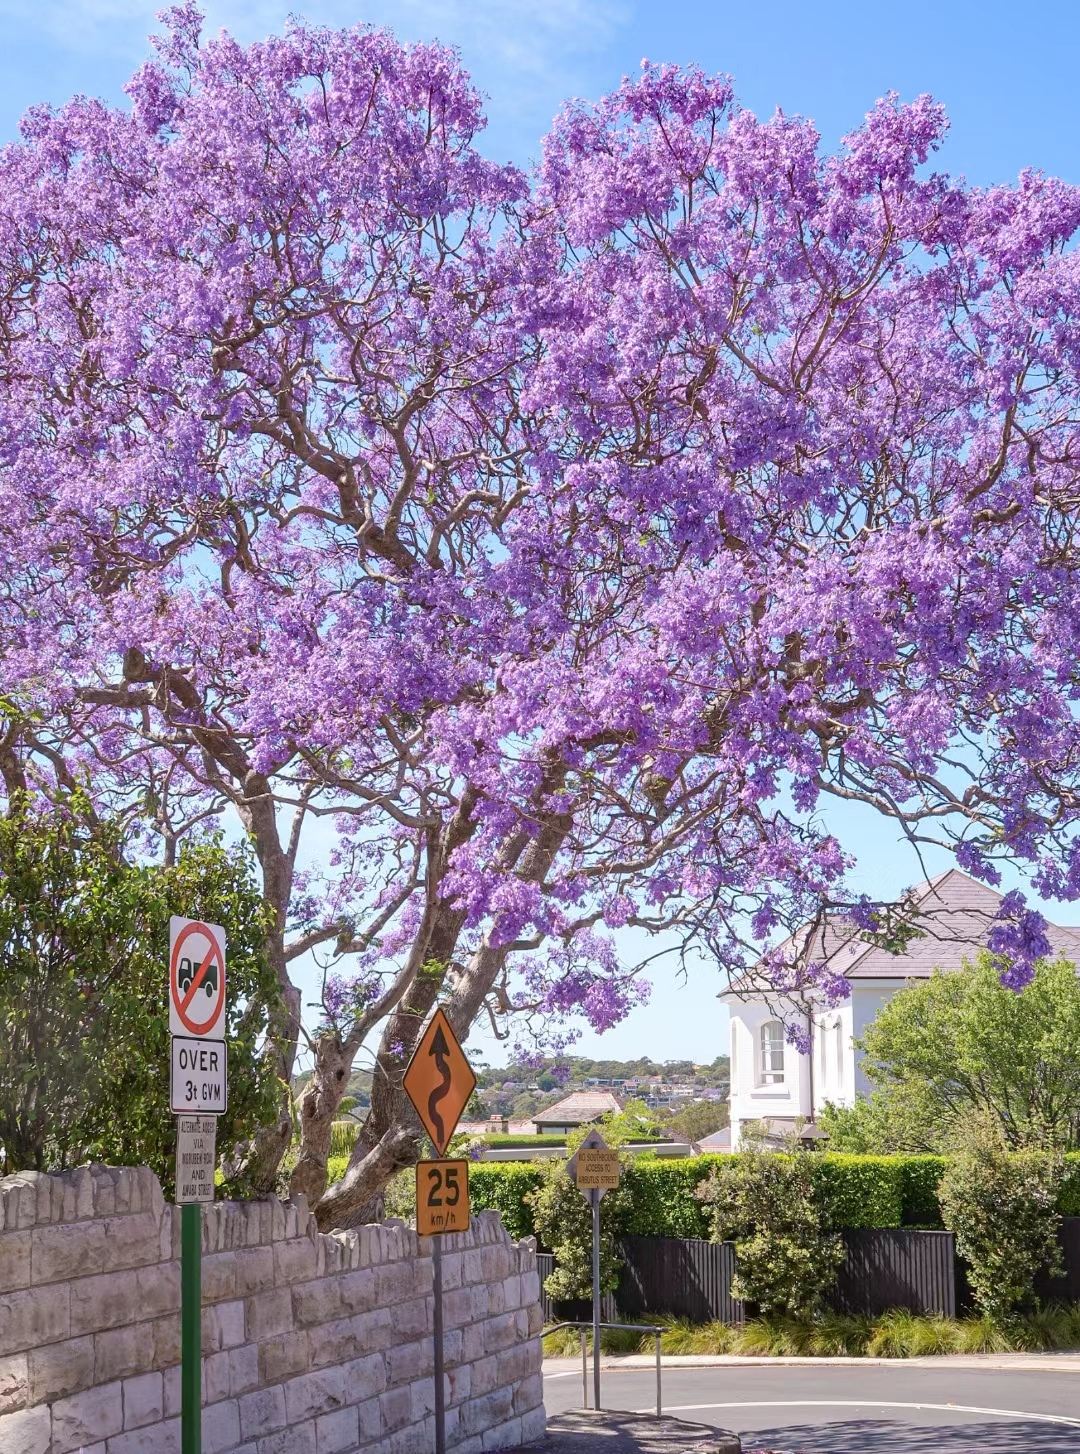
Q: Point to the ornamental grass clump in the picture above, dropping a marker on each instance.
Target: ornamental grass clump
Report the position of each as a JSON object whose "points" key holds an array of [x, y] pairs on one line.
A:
{"points": [[786, 1254], [1002, 1210]]}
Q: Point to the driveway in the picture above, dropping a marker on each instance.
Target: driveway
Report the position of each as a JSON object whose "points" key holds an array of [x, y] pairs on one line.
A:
{"points": [[925, 1406]]}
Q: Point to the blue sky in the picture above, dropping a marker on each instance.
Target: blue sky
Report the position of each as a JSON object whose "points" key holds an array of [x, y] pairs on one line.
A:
{"points": [[1007, 78]]}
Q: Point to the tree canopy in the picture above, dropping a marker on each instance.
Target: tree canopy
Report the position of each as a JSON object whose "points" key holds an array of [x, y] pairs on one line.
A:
{"points": [[84, 1043], [961, 1045], [563, 541]]}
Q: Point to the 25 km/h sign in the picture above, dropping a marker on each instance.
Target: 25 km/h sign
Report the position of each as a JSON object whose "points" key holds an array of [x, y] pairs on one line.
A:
{"points": [[439, 1081], [442, 1197], [196, 979]]}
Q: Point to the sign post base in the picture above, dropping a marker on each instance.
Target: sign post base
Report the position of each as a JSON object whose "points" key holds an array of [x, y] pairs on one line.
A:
{"points": [[191, 1328]]}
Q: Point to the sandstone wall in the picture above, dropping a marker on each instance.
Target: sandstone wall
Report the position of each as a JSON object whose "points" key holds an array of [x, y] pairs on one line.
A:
{"points": [[312, 1344]]}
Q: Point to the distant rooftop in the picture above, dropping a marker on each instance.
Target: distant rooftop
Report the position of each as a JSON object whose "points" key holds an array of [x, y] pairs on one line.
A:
{"points": [[718, 1141], [579, 1109]]}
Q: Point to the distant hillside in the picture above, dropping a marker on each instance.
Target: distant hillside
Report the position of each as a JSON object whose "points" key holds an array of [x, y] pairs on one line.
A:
{"points": [[567, 1070]]}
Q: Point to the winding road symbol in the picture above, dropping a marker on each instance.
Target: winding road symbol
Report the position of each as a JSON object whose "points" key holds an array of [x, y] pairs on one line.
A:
{"points": [[439, 1081], [440, 1053]]}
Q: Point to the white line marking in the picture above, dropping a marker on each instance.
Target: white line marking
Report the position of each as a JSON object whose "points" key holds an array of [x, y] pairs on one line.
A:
{"points": [[572, 1374], [863, 1403]]}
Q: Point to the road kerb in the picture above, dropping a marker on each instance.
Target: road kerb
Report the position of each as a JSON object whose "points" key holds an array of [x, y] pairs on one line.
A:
{"points": [[1005, 1362]]}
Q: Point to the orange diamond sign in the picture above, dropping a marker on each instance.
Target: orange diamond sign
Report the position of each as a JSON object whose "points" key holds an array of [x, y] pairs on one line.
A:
{"points": [[439, 1081]]}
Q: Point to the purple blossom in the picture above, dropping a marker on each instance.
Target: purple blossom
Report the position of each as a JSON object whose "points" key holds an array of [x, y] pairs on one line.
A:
{"points": [[566, 550], [346, 996], [1018, 935]]}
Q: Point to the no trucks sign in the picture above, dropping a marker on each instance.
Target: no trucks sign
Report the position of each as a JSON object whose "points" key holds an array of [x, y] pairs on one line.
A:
{"points": [[196, 979]]}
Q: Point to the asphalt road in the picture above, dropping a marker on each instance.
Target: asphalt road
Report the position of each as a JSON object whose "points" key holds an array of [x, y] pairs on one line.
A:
{"points": [[871, 1409]]}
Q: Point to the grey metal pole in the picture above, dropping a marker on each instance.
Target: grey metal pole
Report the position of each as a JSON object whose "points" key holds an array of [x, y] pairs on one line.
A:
{"points": [[595, 1198], [440, 1395], [584, 1370], [658, 1398]]}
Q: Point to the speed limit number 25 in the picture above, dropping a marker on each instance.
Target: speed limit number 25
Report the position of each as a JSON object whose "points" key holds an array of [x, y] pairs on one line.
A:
{"points": [[442, 1197]]}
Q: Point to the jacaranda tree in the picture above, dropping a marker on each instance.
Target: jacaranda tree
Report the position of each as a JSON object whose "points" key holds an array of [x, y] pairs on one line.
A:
{"points": [[561, 542]]}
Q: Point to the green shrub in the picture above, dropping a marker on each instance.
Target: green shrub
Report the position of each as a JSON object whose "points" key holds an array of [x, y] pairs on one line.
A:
{"points": [[563, 1221], [1002, 1210], [769, 1204], [336, 1167], [343, 1136], [399, 1196], [502, 1186]]}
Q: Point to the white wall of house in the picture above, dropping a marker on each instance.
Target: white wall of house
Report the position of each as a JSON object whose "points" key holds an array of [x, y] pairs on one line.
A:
{"points": [[867, 1001], [834, 1057], [769, 1078], [837, 1073]]}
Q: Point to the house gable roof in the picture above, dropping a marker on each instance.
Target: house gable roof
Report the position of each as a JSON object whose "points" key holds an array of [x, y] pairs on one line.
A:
{"points": [[954, 917], [578, 1109]]}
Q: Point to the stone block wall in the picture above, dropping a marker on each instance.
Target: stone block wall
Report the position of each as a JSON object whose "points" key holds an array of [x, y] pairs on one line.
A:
{"points": [[312, 1344]]}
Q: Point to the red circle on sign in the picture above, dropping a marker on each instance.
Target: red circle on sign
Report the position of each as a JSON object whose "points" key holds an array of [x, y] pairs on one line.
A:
{"points": [[180, 1003]]}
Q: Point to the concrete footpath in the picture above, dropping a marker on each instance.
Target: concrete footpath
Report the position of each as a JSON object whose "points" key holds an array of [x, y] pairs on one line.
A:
{"points": [[611, 1432]]}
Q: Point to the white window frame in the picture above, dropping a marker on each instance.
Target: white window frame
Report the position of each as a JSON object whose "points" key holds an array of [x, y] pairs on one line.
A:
{"points": [[771, 1053]]}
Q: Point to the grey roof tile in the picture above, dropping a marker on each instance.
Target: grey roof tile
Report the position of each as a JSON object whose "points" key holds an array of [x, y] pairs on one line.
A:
{"points": [[955, 913]]}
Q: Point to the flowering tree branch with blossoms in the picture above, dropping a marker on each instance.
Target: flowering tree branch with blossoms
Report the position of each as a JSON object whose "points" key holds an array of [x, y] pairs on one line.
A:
{"points": [[564, 542]]}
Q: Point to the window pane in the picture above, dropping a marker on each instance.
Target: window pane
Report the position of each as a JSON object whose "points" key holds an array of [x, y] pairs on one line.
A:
{"points": [[772, 1052]]}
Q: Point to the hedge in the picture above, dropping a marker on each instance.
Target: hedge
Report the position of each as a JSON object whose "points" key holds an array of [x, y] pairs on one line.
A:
{"points": [[1069, 1200], [505, 1142], [920, 1176], [861, 1191], [660, 1197], [502, 1186]]}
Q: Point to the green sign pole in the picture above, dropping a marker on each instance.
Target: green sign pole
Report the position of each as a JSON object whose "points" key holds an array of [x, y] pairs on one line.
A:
{"points": [[191, 1328]]}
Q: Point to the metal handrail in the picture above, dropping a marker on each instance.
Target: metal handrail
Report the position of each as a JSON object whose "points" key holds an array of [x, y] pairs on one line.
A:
{"points": [[587, 1327]]}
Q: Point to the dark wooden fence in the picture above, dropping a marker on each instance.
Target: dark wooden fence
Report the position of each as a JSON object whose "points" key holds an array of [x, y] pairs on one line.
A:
{"points": [[684, 1279], [896, 1267], [883, 1268]]}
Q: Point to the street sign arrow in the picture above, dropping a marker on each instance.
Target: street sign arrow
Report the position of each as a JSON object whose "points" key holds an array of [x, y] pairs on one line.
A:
{"points": [[439, 1081]]}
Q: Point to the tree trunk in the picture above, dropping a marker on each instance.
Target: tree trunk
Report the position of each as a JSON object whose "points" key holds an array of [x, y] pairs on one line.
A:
{"points": [[262, 1159], [390, 1137], [318, 1108]]}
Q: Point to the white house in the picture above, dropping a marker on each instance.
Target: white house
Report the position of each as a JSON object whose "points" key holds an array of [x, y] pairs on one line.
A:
{"points": [[772, 1081]]}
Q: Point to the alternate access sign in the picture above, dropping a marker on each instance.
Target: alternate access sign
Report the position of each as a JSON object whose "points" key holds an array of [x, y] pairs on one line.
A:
{"points": [[195, 1158], [199, 1080], [196, 979]]}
